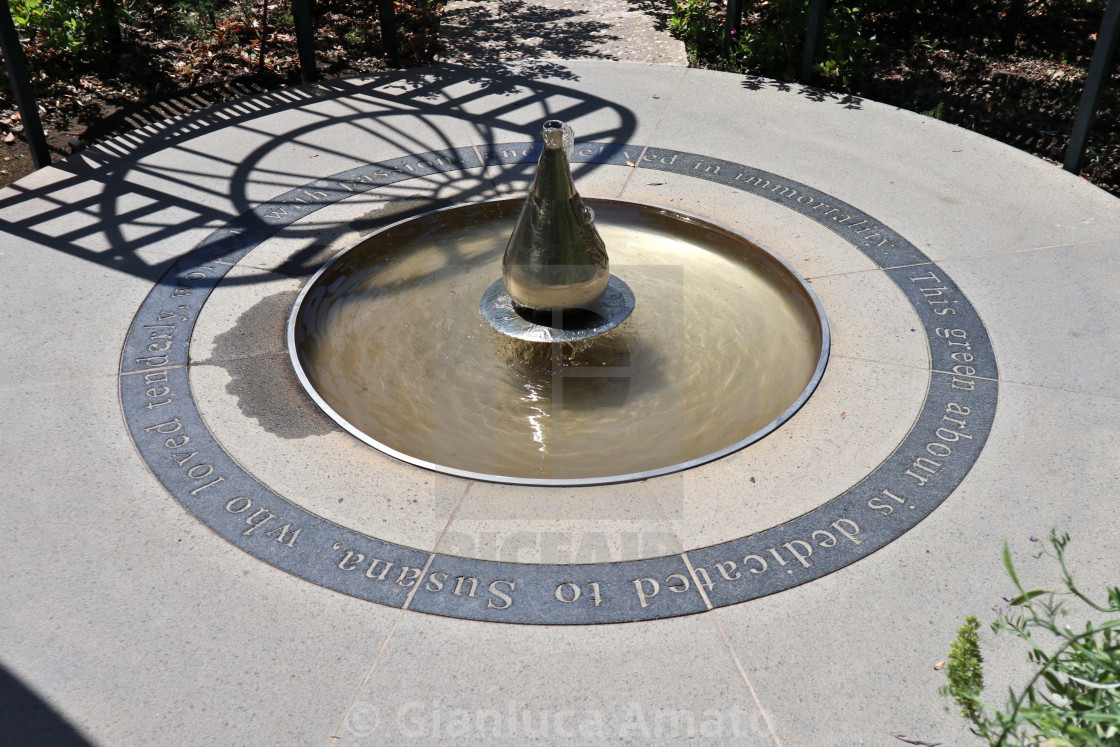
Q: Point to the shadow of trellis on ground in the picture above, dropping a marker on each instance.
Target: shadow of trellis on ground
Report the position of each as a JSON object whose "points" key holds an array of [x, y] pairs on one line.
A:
{"points": [[137, 201]]}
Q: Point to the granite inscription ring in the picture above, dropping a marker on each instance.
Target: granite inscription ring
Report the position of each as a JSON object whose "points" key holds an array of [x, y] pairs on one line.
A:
{"points": [[924, 468]]}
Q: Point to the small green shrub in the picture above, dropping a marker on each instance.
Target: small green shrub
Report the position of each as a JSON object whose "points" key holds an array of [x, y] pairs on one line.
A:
{"points": [[699, 24], [63, 33], [772, 36], [771, 39], [59, 25], [1073, 698], [966, 668]]}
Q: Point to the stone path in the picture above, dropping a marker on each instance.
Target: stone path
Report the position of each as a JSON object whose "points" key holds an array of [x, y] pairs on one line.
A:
{"points": [[489, 30]]}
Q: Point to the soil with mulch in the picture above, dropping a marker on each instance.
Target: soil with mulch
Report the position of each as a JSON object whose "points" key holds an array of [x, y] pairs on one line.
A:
{"points": [[946, 59], [1027, 97], [954, 60], [167, 63]]}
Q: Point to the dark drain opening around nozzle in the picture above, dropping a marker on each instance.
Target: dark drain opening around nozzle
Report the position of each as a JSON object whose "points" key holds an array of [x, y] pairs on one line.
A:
{"points": [[564, 319]]}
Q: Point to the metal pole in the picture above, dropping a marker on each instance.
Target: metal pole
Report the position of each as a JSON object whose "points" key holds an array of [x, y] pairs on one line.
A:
{"points": [[305, 40], [731, 26], [388, 28], [908, 18], [1014, 20], [21, 89], [813, 36], [1103, 55]]}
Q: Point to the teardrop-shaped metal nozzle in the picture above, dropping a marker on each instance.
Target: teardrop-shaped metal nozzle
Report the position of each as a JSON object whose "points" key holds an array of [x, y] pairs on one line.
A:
{"points": [[555, 258]]}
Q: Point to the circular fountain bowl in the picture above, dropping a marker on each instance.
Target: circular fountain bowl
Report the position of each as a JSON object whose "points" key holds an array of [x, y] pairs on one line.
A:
{"points": [[725, 342]]}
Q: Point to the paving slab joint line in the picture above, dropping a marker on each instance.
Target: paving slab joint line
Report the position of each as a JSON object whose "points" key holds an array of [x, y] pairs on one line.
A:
{"points": [[362, 687], [265, 270], [84, 379], [492, 181], [865, 271], [696, 580], [416, 587], [1110, 397], [978, 378], [1004, 253], [234, 359], [656, 127], [385, 645], [883, 268], [150, 370], [746, 679], [664, 517], [970, 257], [1100, 240], [895, 364], [474, 146], [447, 526], [680, 548]]}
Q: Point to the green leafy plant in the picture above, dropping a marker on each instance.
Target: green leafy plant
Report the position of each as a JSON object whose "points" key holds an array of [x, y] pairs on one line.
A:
{"points": [[847, 47], [770, 40], [59, 25], [699, 24], [1073, 697], [966, 669]]}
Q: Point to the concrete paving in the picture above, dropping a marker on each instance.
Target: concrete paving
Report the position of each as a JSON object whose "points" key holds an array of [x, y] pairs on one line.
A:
{"points": [[138, 611]]}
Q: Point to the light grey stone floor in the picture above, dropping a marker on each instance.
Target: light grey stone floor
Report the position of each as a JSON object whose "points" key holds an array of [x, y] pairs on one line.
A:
{"points": [[126, 620]]}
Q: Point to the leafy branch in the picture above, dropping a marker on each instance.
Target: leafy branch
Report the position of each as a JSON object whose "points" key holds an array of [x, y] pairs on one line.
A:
{"points": [[1073, 697]]}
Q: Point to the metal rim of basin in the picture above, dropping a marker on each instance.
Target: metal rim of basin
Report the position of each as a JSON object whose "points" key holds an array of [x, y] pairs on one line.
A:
{"points": [[525, 330]]}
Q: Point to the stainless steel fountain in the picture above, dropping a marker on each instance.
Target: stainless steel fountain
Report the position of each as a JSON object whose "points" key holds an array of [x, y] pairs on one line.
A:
{"points": [[556, 284], [564, 379]]}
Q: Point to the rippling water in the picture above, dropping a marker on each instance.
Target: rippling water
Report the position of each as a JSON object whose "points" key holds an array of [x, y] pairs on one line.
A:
{"points": [[722, 341]]}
